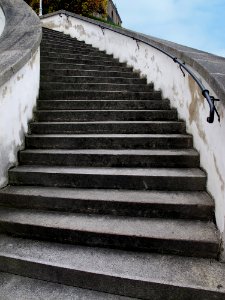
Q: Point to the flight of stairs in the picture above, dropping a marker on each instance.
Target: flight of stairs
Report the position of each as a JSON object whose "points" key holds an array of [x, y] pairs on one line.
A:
{"points": [[108, 194]]}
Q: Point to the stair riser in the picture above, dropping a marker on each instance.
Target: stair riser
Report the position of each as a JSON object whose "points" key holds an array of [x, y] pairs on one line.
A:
{"points": [[163, 128], [80, 72], [107, 143], [108, 181], [74, 116], [98, 105], [104, 282], [81, 60], [86, 79], [98, 67], [126, 161], [96, 95], [97, 87], [131, 209], [187, 248]]}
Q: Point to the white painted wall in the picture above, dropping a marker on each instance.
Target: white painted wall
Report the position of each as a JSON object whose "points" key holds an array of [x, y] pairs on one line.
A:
{"points": [[17, 101], [182, 91], [2, 21]]}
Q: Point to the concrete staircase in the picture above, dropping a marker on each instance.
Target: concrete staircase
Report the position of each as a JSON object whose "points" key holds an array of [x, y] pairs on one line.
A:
{"points": [[108, 194]]}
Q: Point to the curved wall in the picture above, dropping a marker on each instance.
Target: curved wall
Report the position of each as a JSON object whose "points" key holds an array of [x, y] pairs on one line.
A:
{"points": [[182, 91], [19, 78]]}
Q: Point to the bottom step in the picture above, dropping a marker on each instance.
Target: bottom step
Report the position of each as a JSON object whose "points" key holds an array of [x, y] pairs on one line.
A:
{"points": [[14, 287], [140, 275]]}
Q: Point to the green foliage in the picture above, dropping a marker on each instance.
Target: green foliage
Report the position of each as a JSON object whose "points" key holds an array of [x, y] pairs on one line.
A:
{"points": [[105, 21], [81, 7]]}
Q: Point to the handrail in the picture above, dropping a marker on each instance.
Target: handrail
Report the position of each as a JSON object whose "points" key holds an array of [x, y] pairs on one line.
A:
{"points": [[182, 65]]}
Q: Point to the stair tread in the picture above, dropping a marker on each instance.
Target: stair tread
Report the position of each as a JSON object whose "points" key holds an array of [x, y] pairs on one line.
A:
{"points": [[154, 172], [110, 122], [166, 229], [24, 288], [130, 196], [143, 152], [203, 274], [112, 135], [108, 92], [140, 85], [106, 110]]}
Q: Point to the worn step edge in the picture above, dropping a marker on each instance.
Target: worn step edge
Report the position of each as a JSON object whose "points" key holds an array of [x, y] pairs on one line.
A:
{"points": [[100, 73], [196, 205], [111, 158], [182, 179], [145, 276], [107, 115], [92, 79], [181, 237], [109, 141], [23, 288]]}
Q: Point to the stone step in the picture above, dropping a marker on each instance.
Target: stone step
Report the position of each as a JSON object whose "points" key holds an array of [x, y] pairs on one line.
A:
{"points": [[113, 127], [73, 50], [170, 179], [24, 288], [57, 38], [91, 55], [53, 32], [182, 237], [61, 36], [103, 104], [96, 95], [96, 86], [62, 39], [111, 158], [140, 275], [81, 72], [81, 60], [104, 115], [81, 66], [149, 204], [92, 79], [109, 141], [66, 44]]}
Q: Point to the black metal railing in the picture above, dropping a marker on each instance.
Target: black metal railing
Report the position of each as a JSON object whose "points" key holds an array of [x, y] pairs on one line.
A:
{"points": [[210, 99]]}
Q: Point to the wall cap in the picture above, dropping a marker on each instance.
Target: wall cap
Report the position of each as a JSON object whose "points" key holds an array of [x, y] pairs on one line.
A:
{"points": [[20, 39]]}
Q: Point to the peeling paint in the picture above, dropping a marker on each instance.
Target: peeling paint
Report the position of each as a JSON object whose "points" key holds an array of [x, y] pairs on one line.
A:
{"points": [[197, 100], [219, 174], [51, 25], [19, 77], [4, 92], [68, 24], [32, 62], [20, 94], [133, 58], [80, 30]]}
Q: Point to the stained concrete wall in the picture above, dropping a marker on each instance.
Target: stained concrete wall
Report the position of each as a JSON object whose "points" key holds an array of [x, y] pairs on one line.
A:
{"points": [[182, 91], [19, 78]]}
